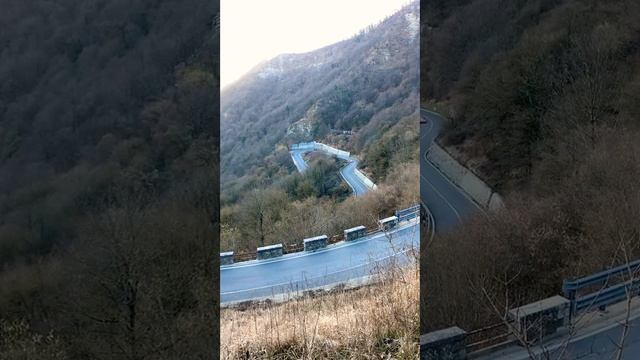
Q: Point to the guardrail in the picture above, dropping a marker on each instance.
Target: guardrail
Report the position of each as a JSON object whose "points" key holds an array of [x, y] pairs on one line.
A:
{"points": [[367, 270], [408, 213], [303, 146], [540, 319], [370, 184], [333, 151], [321, 147], [344, 155], [298, 247], [492, 336], [605, 294]]}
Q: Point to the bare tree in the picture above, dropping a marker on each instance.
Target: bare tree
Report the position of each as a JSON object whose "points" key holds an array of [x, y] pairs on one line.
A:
{"points": [[259, 212]]}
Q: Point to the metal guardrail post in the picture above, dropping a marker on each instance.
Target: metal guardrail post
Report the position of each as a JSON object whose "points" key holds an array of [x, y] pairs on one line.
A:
{"points": [[608, 294]]}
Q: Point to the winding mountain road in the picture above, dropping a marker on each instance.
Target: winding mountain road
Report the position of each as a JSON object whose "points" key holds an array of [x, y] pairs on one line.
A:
{"points": [[298, 161], [347, 172], [595, 338], [344, 262], [350, 261], [448, 204], [297, 272]]}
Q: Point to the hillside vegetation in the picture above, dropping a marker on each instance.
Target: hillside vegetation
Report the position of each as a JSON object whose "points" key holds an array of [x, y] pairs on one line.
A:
{"points": [[108, 178], [534, 80], [543, 101], [366, 85], [378, 321], [271, 215]]}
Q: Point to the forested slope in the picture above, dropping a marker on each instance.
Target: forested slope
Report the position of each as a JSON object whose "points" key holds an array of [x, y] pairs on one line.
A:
{"points": [[108, 177], [525, 80], [367, 83], [543, 101]]}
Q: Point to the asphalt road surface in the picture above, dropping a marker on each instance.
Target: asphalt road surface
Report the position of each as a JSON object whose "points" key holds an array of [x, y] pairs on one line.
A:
{"points": [[296, 272], [603, 345], [448, 204], [348, 174], [596, 335], [298, 161]]}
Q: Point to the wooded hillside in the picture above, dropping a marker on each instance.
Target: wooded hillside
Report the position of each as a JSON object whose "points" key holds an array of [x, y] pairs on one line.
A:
{"points": [[108, 178], [543, 101], [525, 82], [367, 84]]}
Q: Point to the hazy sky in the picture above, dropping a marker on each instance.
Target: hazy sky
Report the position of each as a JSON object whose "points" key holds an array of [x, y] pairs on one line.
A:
{"points": [[256, 30]]}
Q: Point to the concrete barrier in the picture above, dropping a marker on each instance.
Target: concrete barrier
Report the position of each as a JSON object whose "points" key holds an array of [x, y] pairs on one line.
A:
{"points": [[446, 344], [268, 252], [303, 146], [316, 146], [355, 233], [477, 189], [542, 318], [495, 202], [226, 258], [344, 155], [389, 223], [365, 179], [315, 243]]}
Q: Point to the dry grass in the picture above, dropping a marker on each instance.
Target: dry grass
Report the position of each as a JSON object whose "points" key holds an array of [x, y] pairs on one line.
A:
{"points": [[379, 321]]}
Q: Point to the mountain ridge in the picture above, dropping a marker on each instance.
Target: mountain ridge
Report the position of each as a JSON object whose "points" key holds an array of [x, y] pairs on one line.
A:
{"points": [[365, 83]]}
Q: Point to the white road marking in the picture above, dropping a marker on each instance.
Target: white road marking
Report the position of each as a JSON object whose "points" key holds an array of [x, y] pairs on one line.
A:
{"points": [[340, 245], [460, 190], [319, 276], [443, 198]]}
